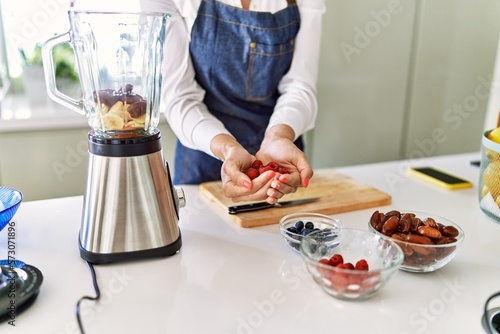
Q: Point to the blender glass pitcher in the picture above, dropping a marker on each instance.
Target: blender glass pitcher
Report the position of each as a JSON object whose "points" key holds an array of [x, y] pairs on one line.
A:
{"points": [[118, 58]]}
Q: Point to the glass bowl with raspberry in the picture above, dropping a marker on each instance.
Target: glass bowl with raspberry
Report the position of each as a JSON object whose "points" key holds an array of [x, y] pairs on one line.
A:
{"points": [[350, 264], [295, 226]]}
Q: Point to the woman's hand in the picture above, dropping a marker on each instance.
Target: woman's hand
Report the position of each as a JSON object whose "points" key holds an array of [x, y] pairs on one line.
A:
{"points": [[278, 146], [235, 183]]}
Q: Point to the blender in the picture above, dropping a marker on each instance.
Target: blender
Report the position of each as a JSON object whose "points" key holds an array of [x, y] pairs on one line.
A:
{"points": [[131, 208]]}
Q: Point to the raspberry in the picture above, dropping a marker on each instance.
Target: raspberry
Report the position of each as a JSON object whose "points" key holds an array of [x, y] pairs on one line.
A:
{"points": [[336, 259], [257, 163], [339, 282], [324, 271], [324, 261], [355, 279], [283, 170], [263, 169], [252, 173], [273, 165], [346, 265], [361, 265], [342, 280]]}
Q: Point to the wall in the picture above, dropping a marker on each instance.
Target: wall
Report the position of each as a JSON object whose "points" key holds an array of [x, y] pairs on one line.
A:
{"points": [[403, 79], [493, 110], [455, 57]]}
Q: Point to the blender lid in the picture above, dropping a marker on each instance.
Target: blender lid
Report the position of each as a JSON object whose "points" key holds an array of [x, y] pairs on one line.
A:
{"points": [[19, 287]]}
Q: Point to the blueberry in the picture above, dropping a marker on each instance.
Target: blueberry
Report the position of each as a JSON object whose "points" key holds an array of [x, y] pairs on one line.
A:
{"points": [[299, 225], [305, 231], [292, 229], [309, 225]]}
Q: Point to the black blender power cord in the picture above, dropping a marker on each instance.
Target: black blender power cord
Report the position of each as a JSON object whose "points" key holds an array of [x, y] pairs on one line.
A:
{"points": [[96, 298]]}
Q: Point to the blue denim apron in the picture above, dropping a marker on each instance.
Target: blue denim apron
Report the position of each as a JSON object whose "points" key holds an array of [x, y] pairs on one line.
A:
{"points": [[239, 57]]}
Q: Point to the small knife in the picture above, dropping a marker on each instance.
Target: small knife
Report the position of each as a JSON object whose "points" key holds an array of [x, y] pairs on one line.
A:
{"points": [[264, 205]]}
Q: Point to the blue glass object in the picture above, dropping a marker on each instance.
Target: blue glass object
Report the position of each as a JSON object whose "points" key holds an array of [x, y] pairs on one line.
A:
{"points": [[10, 200]]}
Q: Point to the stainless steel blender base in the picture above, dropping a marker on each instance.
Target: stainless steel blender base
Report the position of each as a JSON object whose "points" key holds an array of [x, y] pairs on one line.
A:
{"points": [[102, 258], [130, 207]]}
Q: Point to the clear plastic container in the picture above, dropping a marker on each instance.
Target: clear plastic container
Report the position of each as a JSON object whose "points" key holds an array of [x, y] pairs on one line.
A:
{"points": [[489, 178]]}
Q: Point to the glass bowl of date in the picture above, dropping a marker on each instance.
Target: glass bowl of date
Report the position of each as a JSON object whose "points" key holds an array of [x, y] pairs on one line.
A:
{"points": [[350, 264], [428, 241], [295, 226]]}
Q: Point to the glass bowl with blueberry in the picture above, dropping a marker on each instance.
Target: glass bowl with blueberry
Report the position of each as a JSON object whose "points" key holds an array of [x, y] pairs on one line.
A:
{"points": [[350, 264], [294, 227]]}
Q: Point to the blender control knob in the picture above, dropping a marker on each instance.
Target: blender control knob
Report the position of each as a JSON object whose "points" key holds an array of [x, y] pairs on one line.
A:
{"points": [[180, 196]]}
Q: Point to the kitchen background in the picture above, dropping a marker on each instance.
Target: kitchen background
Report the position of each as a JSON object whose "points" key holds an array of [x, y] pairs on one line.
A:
{"points": [[399, 79]]}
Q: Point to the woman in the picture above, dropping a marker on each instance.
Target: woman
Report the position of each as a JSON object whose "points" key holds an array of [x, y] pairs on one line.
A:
{"points": [[238, 85]]}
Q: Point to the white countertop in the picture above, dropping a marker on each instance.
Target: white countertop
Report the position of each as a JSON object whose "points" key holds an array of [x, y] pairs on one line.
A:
{"points": [[229, 280], [18, 114]]}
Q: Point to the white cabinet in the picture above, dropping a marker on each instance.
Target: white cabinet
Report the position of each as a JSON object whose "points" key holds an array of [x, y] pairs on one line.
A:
{"points": [[44, 164], [403, 79]]}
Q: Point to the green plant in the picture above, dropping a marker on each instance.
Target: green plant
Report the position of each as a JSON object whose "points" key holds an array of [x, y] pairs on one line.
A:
{"points": [[64, 60]]}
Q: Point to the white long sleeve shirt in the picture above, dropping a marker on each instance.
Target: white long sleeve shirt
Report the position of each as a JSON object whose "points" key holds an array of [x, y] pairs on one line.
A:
{"points": [[182, 97]]}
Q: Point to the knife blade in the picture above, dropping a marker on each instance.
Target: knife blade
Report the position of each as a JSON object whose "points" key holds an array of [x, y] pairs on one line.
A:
{"points": [[232, 210]]}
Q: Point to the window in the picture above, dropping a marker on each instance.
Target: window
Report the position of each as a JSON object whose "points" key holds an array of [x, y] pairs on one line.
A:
{"points": [[24, 27]]}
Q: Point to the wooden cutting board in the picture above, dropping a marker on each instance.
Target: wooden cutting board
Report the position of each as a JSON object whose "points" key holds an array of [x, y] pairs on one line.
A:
{"points": [[337, 193]]}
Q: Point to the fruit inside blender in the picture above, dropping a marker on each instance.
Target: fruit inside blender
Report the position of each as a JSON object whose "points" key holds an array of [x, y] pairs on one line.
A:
{"points": [[120, 110]]}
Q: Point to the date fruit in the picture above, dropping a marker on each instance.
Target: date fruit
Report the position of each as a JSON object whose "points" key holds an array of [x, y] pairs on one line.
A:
{"points": [[416, 236], [120, 109]]}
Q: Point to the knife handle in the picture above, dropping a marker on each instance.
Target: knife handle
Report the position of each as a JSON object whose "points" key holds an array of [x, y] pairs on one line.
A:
{"points": [[232, 210]]}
